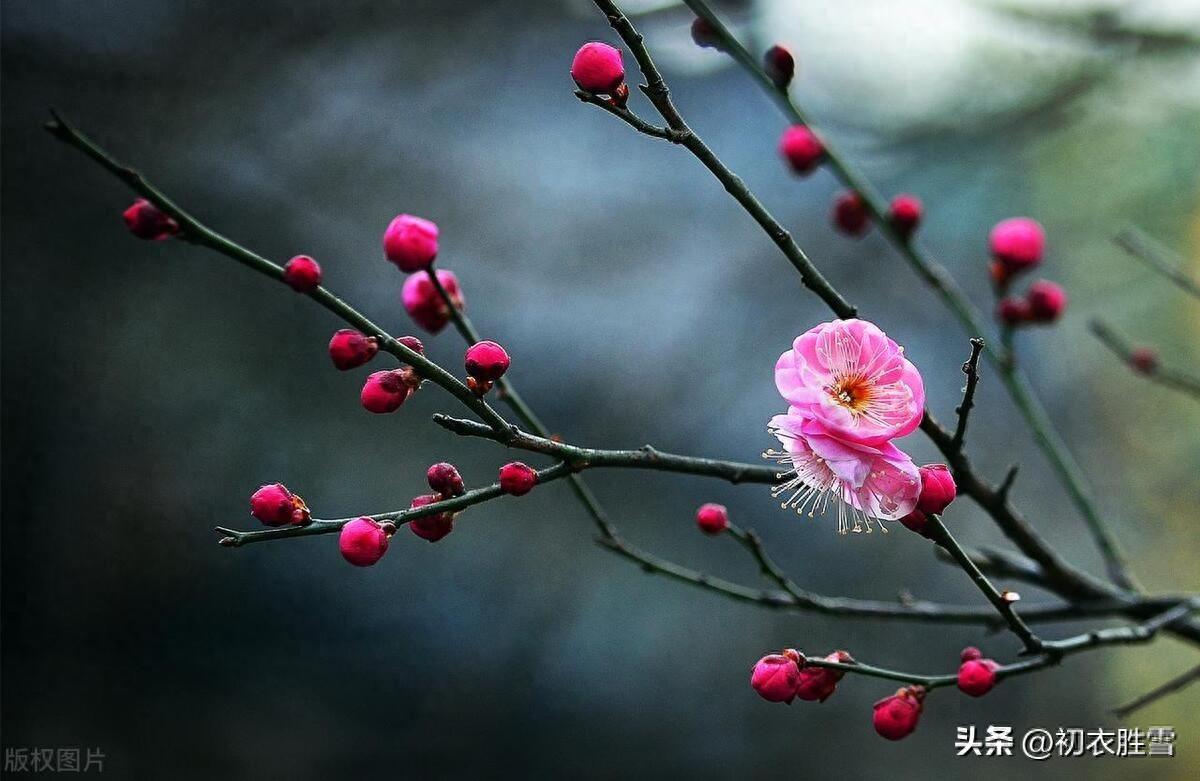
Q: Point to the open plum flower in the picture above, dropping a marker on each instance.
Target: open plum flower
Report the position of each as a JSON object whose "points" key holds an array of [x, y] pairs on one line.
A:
{"points": [[866, 482], [854, 380]]}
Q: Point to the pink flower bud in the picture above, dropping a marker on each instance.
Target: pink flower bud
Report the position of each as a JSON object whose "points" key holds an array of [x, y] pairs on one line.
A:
{"points": [[425, 305], [431, 527], [349, 349], [411, 242], [818, 683], [776, 676], [275, 505], [486, 361], [1017, 243], [780, 66], [704, 34], [918, 522], [445, 480], [363, 542], [1013, 311], [302, 274], [977, 675], [146, 221], [896, 717], [385, 391], [905, 214], [1047, 301], [1144, 359], [937, 489], [597, 68], [850, 214], [712, 518], [801, 148], [412, 343], [517, 479]]}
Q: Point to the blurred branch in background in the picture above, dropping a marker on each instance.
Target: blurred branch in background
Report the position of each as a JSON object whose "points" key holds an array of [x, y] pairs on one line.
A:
{"points": [[1176, 684], [1144, 361], [1156, 256]]}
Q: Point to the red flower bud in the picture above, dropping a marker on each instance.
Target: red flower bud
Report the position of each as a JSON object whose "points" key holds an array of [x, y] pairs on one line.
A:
{"points": [[517, 479], [445, 480], [917, 521], [275, 505], [850, 214], [412, 343], [1047, 301], [1017, 243], [431, 527], [712, 518], [486, 361], [411, 242], [896, 717], [597, 68], [146, 221], [302, 274], [818, 683], [776, 676], [425, 304], [937, 489], [385, 391], [363, 542], [801, 149], [977, 675], [1013, 311], [780, 66], [905, 214], [349, 349], [704, 34], [1144, 359]]}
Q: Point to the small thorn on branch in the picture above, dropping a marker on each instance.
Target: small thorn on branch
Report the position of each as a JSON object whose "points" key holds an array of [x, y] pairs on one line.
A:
{"points": [[231, 538], [1006, 485]]}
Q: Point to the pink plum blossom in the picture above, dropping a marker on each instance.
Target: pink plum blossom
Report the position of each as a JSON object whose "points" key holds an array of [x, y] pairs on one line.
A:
{"points": [[849, 377], [865, 481]]}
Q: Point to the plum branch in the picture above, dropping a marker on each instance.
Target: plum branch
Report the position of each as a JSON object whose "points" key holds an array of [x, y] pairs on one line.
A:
{"points": [[1144, 361], [1065, 578], [1178, 683], [197, 233], [939, 279], [1053, 651], [1157, 257]]}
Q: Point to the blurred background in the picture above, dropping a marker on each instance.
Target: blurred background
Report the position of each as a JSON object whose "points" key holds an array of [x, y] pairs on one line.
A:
{"points": [[149, 388]]}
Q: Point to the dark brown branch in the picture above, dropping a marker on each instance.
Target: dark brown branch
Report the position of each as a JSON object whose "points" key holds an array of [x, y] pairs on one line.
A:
{"points": [[971, 369]]}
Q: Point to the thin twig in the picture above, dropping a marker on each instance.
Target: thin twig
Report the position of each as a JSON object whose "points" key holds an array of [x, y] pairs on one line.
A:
{"points": [[942, 536], [645, 457], [971, 369], [972, 321], [633, 120], [1168, 378], [1156, 256], [1053, 652], [198, 233], [233, 538], [1177, 683]]}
